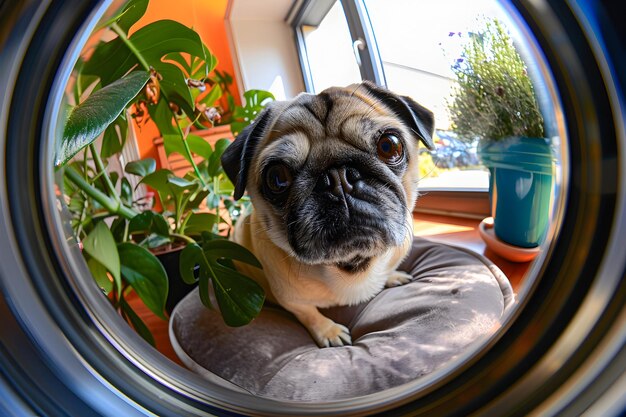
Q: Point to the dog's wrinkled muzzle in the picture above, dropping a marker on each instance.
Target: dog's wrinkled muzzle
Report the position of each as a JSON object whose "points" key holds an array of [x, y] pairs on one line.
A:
{"points": [[339, 181]]}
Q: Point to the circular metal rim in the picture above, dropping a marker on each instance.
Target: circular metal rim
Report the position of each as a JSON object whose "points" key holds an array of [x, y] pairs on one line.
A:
{"points": [[142, 393], [134, 350]]}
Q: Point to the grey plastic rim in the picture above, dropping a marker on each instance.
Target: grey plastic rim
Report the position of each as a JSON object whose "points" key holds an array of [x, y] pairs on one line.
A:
{"points": [[63, 351]]}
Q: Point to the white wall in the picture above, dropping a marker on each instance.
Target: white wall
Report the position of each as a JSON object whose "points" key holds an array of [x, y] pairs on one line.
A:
{"points": [[264, 47]]}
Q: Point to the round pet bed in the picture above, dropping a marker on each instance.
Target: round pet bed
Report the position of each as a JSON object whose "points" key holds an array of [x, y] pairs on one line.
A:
{"points": [[455, 298]]}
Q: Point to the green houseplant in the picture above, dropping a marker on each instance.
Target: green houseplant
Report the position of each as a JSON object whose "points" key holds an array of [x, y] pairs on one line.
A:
{"points": [[162, 72], [494, 102]]}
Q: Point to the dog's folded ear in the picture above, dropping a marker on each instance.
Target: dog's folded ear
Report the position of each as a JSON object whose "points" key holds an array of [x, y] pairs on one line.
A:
{"points": [[418, 118], [237, 157]]}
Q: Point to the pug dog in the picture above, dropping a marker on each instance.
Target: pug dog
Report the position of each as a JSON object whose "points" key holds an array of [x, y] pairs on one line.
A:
{"points": [[333, 180]]}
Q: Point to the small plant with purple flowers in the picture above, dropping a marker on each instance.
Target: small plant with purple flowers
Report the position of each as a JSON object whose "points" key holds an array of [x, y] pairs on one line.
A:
{"points": [[494, 97]]}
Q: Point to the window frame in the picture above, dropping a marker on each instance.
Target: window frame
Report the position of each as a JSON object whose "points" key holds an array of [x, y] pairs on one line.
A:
{"points": [[466, 203], [311, 13]]}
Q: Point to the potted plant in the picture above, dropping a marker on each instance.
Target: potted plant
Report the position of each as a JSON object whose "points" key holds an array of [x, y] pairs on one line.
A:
{"points": [[162, 72], [494, 102]]}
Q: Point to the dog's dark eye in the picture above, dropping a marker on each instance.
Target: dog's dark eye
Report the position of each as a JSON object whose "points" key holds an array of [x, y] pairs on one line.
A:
{"points": [[278, 179], [389, 148]]}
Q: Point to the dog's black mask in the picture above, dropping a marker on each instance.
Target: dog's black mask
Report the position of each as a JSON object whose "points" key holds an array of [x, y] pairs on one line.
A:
{"points": [[350, 208]]}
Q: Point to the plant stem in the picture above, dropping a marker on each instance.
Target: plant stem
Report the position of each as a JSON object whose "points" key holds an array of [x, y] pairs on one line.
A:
{"points": [[188, 152], [102, 171], [130, 45], [216, 190], [126, 227], [182, 237], [81, 220], [83, 213], [86, 164], [177, 212], [107, 202]]}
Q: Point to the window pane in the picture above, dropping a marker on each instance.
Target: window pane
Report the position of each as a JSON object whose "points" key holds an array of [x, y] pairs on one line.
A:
{"points": [[329, 49], [417, 52]]}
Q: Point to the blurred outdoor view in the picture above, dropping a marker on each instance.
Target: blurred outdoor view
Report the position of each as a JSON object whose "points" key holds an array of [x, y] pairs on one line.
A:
{"points": [[419, 42]]}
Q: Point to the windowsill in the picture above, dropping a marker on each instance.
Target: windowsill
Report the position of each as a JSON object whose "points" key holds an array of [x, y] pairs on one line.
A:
{"points": [[454, 202], [459, 231]]}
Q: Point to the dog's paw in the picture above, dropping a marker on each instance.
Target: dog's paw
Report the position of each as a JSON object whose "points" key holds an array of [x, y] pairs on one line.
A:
{"points": [[398, 278], [331, 334], [324, 331]]}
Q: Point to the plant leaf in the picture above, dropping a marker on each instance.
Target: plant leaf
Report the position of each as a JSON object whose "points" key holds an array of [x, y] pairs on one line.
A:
{"points": [[146, 275], [206, 64], [158, 181], [161, 114], [113, 59], [181, 183], [138, 324], [203, 288], [222, 248], [179, 59], [200, 222], [155, 241], [226, 186], [212, 96], [174, 85], [239, 297], [256, 100], [82, 82], [165, 36], [114, 140], [220, 147], [215, 162], [196, 199], [100, 275], [100, 245], [127, 16], [149, 222], [222, 77], [141, 167], [199, 146], [90, 118], [126, 192], [213, 200], [113, 176], [117, 228], [110, 61], [172, 137], [174, 144], [191, 256], [133, 11]]}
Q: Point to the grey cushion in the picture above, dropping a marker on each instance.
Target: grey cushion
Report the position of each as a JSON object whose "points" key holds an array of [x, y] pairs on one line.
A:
{"points": [[406, 332]]}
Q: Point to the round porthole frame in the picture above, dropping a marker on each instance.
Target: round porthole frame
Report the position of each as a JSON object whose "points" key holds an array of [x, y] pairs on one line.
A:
{"points": [[562, 353]]}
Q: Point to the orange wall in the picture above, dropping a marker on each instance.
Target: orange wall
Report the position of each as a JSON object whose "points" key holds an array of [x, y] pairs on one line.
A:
{"points": [[206, 18]]}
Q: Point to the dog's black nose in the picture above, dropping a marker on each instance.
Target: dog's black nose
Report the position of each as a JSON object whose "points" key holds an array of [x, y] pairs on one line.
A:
{"points": [[339, 181]]}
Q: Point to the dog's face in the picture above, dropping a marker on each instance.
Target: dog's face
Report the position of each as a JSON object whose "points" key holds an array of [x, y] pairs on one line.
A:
{"points": [[333, 177]]}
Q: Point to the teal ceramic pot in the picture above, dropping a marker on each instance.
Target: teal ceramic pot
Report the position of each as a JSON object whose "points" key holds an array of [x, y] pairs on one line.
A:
{"points": [[520, 188]]}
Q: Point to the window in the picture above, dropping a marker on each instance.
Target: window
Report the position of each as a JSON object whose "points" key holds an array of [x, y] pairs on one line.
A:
{"points": [[329, 51], [413, 56]]}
